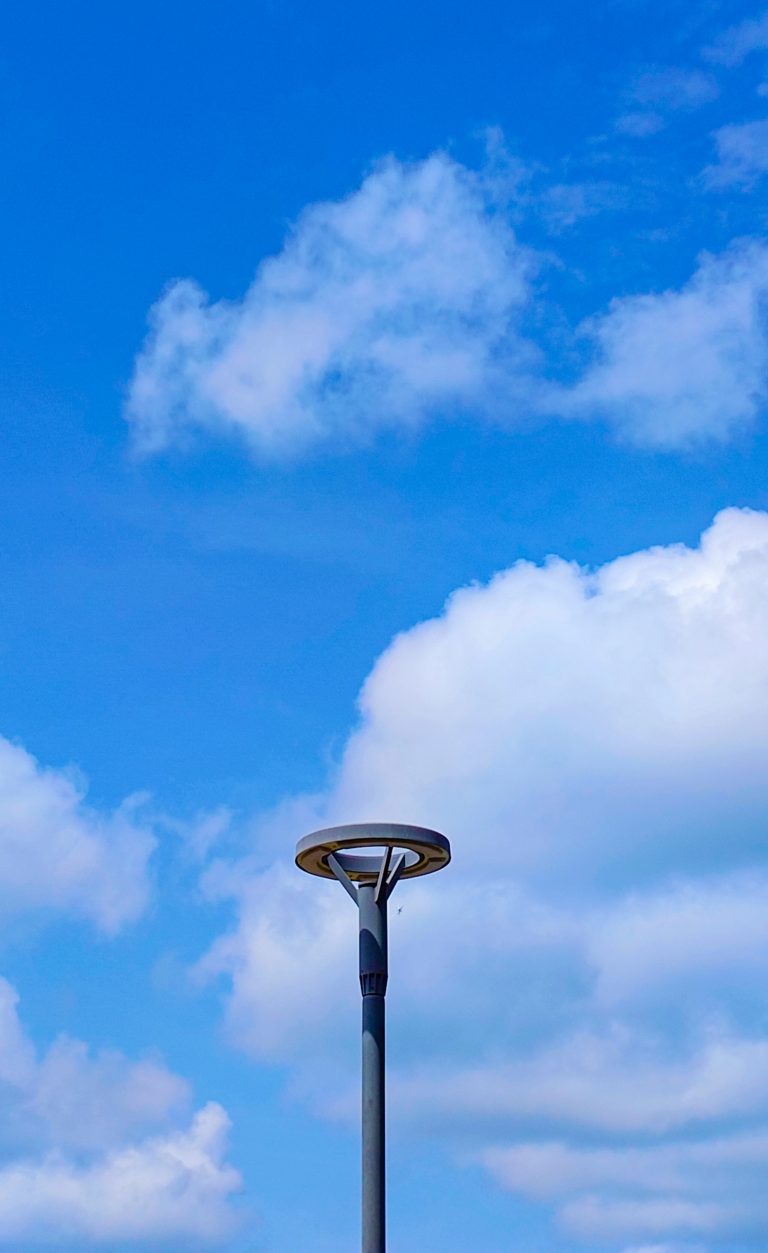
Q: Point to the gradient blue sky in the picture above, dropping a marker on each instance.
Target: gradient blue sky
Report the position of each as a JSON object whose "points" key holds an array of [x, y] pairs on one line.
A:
{"points": [[318, 322]]}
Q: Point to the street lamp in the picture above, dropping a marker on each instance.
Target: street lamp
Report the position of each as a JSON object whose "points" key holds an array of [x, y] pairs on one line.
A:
{"points": [[399, 852]]}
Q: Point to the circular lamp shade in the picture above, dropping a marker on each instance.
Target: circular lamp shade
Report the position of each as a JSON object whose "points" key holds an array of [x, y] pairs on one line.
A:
{"points": [[424, 851]]}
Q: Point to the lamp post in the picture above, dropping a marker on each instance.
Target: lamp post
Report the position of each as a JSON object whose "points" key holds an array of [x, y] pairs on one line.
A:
{"points": [[398, 852]]}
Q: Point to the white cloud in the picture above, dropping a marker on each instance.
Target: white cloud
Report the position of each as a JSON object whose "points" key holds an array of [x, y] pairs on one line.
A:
{"points": [[407, 301], [678, 367], [736, 43], [290, 960], [57, 853], [549, 1168], [700, 936], [175, 1186], [292, 956], [590, 967], [400, 301], [90, 1101], [84, 1166], [18, 1061], [591, 1083], [545, 712], [688, 1188], [68, 1097], [742, 155]]}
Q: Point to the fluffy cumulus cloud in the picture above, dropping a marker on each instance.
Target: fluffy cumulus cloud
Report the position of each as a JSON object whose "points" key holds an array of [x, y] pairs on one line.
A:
{"points": [[171, 1187], [569, 719], [57, 853], [677, 367], [588, 1021], [98, 1148], [401, 300]]}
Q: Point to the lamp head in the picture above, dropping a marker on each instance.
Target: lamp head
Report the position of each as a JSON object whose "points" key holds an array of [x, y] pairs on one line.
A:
{"points": [[424, 851]]}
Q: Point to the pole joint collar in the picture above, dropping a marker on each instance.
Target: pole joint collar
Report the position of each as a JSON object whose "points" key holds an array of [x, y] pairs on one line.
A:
{"points": [[373, 983]]}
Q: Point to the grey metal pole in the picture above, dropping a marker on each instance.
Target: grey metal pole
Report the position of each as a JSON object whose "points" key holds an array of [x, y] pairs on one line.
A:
{"points": [[373, 985], [370, 880]]}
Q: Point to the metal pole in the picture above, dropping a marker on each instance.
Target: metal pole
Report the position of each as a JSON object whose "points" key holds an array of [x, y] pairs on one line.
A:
{"points": [[370, 879], [373, 985]]}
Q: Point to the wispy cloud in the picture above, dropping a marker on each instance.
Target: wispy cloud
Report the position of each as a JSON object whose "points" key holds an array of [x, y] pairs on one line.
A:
{"points": [[736, 43], [671, 87], [590, 1082], [640, 123], [742, 156], [707, 1189], [561, 205], [659, 92], [681, 366]]}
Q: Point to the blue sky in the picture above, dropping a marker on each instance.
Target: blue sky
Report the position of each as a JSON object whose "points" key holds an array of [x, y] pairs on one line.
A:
{"points": [[385, 397]]}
